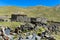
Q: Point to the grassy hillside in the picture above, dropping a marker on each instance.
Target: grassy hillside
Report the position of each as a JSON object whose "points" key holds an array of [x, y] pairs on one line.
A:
{"points": [[52, 13], [11, 24]]}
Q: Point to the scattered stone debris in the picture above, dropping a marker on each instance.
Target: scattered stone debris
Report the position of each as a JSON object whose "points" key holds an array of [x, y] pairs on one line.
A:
{"points": [[31, 24]]}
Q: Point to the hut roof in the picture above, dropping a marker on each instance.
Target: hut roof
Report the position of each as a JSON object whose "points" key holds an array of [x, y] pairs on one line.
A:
{"points": [[19, 14]]}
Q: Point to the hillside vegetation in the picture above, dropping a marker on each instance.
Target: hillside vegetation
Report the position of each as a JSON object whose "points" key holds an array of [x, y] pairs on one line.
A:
{"points": [[52, 13]]}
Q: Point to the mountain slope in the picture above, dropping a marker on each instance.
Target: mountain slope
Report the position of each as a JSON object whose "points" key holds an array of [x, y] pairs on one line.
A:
{"points": [[52, 13]]}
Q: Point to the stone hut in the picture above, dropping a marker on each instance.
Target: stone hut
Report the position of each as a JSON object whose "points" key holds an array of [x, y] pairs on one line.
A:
{"points": [[39, 19], [19, 18]]}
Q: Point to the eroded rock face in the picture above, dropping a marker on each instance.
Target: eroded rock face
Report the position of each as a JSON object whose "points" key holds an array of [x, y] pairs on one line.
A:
{"points": [[53, 28], [50, 38], [26, 27]]}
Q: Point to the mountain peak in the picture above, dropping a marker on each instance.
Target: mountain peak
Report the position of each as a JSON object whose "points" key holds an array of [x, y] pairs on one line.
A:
{"points": [[58, 6]]}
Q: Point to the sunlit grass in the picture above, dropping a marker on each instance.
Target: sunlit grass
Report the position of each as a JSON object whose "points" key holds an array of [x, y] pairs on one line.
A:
{"points": [[10, 24]]}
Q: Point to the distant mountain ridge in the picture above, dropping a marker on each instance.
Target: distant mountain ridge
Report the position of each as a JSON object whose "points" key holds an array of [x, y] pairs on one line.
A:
{"points": [[52, 13]]}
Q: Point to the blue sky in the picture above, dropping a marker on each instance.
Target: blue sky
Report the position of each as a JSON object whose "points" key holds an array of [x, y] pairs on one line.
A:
{"points": [[26, 3]]}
